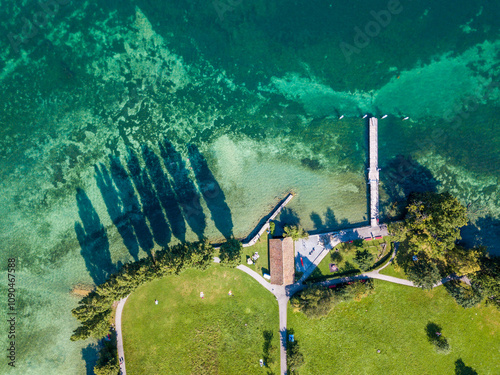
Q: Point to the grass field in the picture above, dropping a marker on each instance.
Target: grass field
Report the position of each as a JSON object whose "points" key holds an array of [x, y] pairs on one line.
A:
{"points": [[185, 334], [346, 261], [262, 247], [394, 271], [393, 320]]}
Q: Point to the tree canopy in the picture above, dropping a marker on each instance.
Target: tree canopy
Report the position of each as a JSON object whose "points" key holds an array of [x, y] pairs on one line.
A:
{"points": [[295, 231], [230, 252], [428, 240], [432, 223]]}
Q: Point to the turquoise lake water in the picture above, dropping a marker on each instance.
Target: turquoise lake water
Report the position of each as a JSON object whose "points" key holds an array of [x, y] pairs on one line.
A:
{"points": [[125, 127]]}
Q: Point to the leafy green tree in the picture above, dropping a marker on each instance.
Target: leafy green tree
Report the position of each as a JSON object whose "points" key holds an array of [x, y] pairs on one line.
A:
{"points": [[315, 301], [423, 273], [364, 259], [230, 252], [295, 231], [97, 327], [108, 364], [465, 295], [464, 261], [433, 223], [488, 279], [435, 337]]}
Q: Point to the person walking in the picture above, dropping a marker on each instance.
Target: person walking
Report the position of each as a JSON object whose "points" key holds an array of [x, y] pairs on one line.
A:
{"points": [[156, 302], [230, 294], [202, 295]]}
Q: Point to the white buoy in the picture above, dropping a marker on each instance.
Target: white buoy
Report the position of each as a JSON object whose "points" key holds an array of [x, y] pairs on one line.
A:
{"points": [[341, 117], [384, 116], [365, 116], [406, 118]]}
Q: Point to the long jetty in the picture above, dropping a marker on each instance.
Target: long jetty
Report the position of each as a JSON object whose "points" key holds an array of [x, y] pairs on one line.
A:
{"points": [[265, 226], [373, 171]]}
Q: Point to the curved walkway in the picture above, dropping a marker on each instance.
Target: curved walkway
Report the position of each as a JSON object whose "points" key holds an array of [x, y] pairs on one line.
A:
{"points": [[282, 294]]}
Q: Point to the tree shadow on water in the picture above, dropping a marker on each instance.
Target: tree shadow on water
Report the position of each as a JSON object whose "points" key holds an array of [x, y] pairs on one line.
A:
{"points": [[93, 240], [151, 206], [286, 217], [115, 208], [165, 193], [484, 231], [90, 356], [212, 192], [131, 206], [402, 176], [184, 188], [331, 223]]}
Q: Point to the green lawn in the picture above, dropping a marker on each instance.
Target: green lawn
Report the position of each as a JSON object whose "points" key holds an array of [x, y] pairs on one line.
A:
{"points": [[392, 270], [347, 262], [393, 320], [262, 247], [185, 334]]}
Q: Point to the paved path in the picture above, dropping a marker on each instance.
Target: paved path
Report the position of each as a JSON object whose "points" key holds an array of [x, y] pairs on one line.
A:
{"points": [[284, 293], [119, 337], [280, 292]]}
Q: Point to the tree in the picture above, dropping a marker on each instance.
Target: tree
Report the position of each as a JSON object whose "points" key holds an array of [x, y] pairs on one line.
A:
{"points": [[488, 278], [108, 364], [433, 222], [230, 252], [428, 239], [435, 337], [295, 231], [464, 261], [465, 295], [363, 259], [423, 272], [315, 301]]}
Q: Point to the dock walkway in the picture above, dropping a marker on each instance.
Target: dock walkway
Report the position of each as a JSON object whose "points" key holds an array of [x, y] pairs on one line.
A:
{"points": [[373, 172]]}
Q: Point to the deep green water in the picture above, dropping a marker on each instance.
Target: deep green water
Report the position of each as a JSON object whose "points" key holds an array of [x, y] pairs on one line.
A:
{"points": [[129, 125]]}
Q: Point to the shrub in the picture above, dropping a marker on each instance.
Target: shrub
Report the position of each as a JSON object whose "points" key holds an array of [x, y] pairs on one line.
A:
{"points": [[272, 227], [363, 259]]}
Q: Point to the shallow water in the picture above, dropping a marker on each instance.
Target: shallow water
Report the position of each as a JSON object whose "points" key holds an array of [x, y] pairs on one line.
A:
{"points": [[126, 127]]}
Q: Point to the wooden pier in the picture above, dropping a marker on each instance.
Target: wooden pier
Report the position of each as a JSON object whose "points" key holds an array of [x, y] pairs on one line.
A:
{"points": [[373, 171]]}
